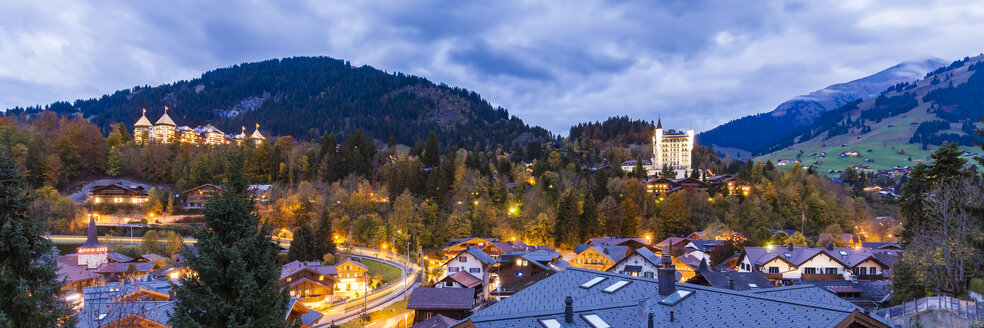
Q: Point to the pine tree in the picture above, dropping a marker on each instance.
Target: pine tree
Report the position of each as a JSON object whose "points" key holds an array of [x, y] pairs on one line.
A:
{"points": [[431, 157], [591, 225], [28, 280], [323, 237], [566, 231], [235, 284], [304, 246]]}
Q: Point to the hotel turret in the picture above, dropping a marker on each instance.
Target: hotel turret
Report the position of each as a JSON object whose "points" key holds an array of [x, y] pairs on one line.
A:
{"points": [[141, 129], [165, 131]]}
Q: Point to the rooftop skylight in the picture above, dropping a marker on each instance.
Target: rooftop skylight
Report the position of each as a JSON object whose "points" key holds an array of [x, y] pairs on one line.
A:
{"points": [[753, 285], [615, 287], [595, 321], [843, 253], [676, 297], [550, 323], [594, 281]]}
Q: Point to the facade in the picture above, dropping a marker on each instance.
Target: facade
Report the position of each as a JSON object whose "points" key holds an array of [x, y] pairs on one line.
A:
{"points": [[640, 263], [456, 245], [598, 258], [165, 131], [788, 263], [454, 303], [197, 197], [117, 194], [474, 262], [515, 271], [673, 149], [729, 184], [312, 282]]}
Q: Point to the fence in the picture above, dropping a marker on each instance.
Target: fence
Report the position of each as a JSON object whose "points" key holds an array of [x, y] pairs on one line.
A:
{"points": [[966, 309]]}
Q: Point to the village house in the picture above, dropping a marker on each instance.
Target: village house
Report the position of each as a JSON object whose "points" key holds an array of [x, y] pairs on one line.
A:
{"points": [[729, 280], [642, 262], [584, 298], [314, 283], [453, 303], [165, 131], [456, 245], [729, 184], [788, 263], [117, 194], [474, 262], [631, 243], [496, 249], [600, 258], [517, 270], [195, 198]]}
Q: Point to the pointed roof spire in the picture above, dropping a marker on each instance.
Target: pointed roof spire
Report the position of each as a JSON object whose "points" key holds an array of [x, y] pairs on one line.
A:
{"points": [[165, 119], [143, 121], [93, 240], [703, 265], [256, 133], [659, 122]]}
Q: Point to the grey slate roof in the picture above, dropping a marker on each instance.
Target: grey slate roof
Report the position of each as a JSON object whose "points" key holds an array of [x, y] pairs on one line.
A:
{"points": [[800, 254], [480, 255], [742, 280], [627, 307], [437, 321], [442, 299], [646, 254]]}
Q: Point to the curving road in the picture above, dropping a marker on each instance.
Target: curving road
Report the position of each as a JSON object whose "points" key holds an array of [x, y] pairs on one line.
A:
{"points": [[381, 296]]}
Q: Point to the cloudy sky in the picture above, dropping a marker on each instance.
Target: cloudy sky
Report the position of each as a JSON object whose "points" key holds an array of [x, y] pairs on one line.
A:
{"points": [[552, 63]]}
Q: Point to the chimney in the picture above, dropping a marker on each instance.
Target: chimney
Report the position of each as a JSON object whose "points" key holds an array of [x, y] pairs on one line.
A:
{"points": [[651, 323], [667, 277], [569, 309], [671, 316], [731, 283], [790, 246], [830, 245], [605, 250]]}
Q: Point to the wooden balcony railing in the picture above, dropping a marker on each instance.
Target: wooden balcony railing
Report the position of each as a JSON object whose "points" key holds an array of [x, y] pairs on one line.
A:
{"points": [[773, 276], [821, 276]]}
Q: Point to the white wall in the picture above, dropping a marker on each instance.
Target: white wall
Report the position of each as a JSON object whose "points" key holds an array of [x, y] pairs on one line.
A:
{"points": [[635, 259]]}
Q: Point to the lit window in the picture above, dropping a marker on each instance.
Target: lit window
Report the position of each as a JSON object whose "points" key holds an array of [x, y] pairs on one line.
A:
{"points": [[595, 321]]}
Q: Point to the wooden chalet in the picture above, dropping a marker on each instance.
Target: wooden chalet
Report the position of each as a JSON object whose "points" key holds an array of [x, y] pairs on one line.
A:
{"points": [[117, 194]]}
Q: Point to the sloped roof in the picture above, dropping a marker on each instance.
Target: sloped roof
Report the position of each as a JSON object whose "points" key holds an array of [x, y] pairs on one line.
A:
{"points": [[742, 280], [92, 241], [848, 257], [143, 122], [72, 273], [463, 278], [294, 267], [117, 257], [646, 255], [614, 253], [122, 267], [311, 317], [437, 321], [704, 307], [156, 311], [257, 135], [442, 299], [165, 120], [477, 253], [615, 241]]}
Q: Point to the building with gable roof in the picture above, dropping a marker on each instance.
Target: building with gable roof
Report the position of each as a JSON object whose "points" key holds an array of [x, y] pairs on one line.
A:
{"points": [[517, 270], [312, 282], [164, 129], [788, 263], [598, 257], [456, 245], [585, 298], [117, 194], [642, 262], [474, 261]]}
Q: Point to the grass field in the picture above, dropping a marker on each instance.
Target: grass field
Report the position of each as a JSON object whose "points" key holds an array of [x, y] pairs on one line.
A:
{"points": [[885, 141], [379, 269]]}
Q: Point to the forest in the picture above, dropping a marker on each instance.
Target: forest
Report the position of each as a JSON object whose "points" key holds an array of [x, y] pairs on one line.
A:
{"points": [[372, 192]]}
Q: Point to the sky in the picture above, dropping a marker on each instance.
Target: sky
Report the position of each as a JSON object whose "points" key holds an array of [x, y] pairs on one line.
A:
{"points": [[695, 64]]}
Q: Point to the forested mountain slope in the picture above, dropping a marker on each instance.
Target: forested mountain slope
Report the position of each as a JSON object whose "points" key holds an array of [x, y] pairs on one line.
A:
{"points": [[755, 131], [307, 97]]}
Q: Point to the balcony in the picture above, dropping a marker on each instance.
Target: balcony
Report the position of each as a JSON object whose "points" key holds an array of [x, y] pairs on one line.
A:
{"points": [[773, 276], [820, 276]]}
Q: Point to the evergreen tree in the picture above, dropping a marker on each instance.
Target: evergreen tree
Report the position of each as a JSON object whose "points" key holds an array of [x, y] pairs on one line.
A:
{"points": [[431, 157], [638, 171], [304, 247], [947, 167], [667, 172], [235, 284], [150, 244], [590, 224], [323, 237], [328, 155], [566, 231], [28, 281]]}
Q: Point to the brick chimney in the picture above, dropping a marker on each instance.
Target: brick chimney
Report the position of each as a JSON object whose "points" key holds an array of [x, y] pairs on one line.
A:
{"points": [[569, 309]]}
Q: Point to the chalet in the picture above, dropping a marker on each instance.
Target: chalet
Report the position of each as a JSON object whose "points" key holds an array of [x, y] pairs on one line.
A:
{"points": [[454, 303], [75, 280], [788, 263], [598, 258], [660, 186], [456, 245], [691, 184], [474, 262], [728, 235], [729, 184], [641, 262], [197, 197], [515, 271], [584, 298], [312, 282], [117, 194]]}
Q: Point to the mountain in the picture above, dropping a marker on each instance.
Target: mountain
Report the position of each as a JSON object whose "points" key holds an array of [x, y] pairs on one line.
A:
{"points": [[749, 133], [900, 126], [306, 97]]}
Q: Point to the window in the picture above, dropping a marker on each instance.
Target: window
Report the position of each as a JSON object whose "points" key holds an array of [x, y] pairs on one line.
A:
{"points": [[550, 323], [518, 273], [753, 286], [595, 321], [475, 270], [615, 287], [810, 270], [594, 281], [647, 274], [676, 297], [831, 271], [449, 283], [773, 269], [462, 259], [453, 269]]}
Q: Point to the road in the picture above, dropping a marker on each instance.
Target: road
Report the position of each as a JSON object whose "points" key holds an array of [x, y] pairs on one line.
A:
{"points": [[376, 299], [131, 241]]}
